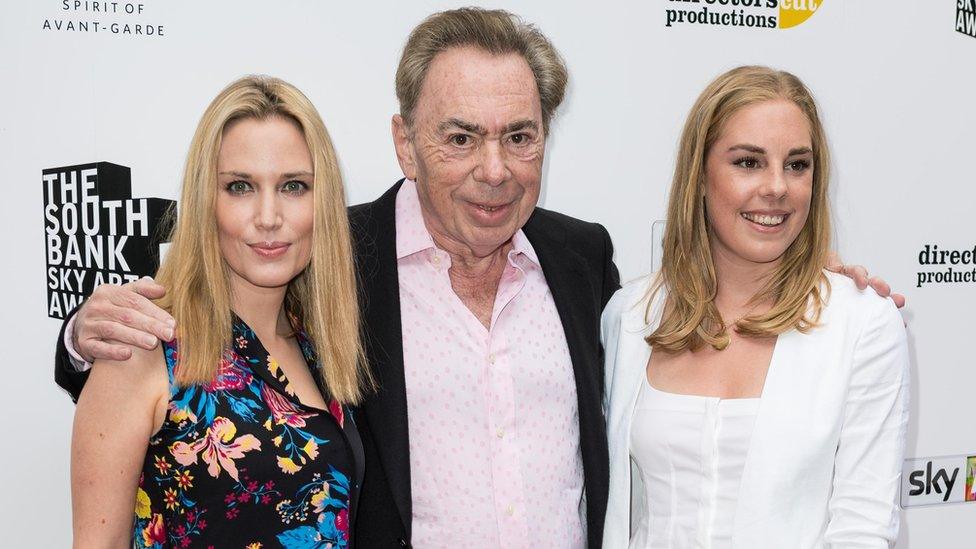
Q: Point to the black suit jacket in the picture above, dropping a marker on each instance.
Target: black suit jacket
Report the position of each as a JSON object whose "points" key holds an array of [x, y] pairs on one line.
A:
{"points": [[577, 261]]}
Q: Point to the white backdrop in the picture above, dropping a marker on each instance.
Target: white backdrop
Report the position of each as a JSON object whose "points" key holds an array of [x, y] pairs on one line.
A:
{"points": [[895, 80]]}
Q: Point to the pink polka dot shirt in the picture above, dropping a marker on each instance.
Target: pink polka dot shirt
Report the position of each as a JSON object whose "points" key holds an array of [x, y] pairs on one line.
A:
{"points": [[493, 425]]}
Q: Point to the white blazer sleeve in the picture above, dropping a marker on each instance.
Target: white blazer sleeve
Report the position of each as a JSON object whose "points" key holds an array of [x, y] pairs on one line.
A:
{"points": [[862, 507]]}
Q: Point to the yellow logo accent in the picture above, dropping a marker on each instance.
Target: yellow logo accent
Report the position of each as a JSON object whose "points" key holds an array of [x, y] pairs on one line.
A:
{"points": [[796, 12]]}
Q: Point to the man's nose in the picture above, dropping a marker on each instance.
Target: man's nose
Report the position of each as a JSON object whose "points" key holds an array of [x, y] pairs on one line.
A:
{"points": [[493, 167]]}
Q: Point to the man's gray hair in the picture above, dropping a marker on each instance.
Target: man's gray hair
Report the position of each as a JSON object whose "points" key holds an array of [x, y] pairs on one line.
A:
{"points": [[497, 32]]}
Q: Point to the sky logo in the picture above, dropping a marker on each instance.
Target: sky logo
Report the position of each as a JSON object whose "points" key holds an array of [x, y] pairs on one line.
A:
{"points": [[938, 480]]}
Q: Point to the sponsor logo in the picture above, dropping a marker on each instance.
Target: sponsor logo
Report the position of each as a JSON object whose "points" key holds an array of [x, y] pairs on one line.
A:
{"points": [[946, 266], [754, 14], [128, 19], [938, 480], [95, 232], [966, 17]]}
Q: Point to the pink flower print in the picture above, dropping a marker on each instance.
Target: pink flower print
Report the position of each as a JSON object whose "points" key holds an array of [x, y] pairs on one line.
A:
{"points": [[336, 410], [342, 521], [282, 410], [218, 448], [154, 532], [230, 375]]}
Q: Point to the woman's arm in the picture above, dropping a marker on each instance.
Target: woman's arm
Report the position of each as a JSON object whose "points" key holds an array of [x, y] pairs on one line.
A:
{"points": [[122, 405], [862, 506]]}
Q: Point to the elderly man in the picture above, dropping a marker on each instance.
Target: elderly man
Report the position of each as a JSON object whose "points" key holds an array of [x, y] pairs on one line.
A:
{"points": [[481, 310]]}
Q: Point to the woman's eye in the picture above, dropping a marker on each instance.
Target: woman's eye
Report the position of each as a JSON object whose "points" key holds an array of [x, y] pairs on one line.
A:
{"points": [[747, 163], [295, 187], [238, 187], [460, 139], [798, 165]]}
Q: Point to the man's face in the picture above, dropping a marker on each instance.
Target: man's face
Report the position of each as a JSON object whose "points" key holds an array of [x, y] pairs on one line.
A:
{"points": [[475, 149]]}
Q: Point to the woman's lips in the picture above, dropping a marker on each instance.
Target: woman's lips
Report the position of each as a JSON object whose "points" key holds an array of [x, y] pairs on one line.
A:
{"points": [[270, 250], [766, 222]]}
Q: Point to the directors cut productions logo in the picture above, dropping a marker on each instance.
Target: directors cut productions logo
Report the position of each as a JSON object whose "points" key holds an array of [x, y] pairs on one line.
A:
{"points": [[758, 14], [95, 232], [943, 266], [938, 480], [966, 17]]}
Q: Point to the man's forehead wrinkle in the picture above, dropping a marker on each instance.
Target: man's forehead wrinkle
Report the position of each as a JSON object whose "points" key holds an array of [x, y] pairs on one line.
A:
{"points": [[504, 114], [462, 124]]}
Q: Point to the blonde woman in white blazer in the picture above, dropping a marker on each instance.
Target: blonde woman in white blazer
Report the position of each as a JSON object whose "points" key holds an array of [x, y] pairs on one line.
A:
{"points": [[753, 399]]}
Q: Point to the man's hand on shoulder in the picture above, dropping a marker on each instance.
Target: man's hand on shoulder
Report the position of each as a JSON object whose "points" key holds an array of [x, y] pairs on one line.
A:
{"points": [[115, 319], [862, 280]]}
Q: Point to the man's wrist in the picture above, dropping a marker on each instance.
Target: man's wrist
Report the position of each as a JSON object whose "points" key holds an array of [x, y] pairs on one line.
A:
{"points": [[76, 360]]}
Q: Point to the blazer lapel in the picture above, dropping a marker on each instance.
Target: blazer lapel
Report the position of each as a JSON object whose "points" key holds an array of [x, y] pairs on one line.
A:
{"points": [[571, 288], [630, 354], [386, 411], [774, 430]]}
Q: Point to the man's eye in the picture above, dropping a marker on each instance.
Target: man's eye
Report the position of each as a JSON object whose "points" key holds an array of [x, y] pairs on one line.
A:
{"points": [[238, 187], [519, 139], [460, 139]]}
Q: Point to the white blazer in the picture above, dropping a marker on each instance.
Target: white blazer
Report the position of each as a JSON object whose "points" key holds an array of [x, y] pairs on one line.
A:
{"points": [[823, 464]]}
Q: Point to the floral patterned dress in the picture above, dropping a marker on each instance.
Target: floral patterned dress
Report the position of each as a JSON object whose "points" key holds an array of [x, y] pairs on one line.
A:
{"points": [[241, 463]]}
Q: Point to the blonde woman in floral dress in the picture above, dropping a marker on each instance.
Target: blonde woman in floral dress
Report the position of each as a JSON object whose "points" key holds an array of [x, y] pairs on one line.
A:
{"points": [[237, 433]]}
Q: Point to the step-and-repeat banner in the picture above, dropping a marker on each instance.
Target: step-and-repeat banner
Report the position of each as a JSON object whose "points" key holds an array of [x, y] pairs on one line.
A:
{"points": [[99, 100]]}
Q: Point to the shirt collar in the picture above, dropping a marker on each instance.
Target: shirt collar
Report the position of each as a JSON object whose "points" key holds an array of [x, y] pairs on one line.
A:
{"points": [[412, 235]]}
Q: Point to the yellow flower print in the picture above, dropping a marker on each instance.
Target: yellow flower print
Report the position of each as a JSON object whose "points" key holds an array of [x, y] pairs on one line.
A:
{"points": [[171, 498], [184, 479], [179, 415], [311, 449], [142, 504], [318, 500], [162, 465], [288, 466]]}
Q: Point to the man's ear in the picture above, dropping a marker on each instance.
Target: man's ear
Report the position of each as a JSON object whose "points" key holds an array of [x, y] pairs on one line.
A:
{"points": [[404, 147]]}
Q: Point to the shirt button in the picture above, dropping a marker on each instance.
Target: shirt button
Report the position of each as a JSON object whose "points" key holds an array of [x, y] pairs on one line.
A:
{"points": [[491, 358], [500, 433], [510, 510]]}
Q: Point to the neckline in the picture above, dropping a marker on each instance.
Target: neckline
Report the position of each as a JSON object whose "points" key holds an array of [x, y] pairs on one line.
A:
{"points": [[708, 398], [258, 359]]}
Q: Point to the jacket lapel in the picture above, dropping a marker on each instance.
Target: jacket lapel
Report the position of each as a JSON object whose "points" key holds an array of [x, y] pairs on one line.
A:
{"points": [[386, 411], [571, 288]]}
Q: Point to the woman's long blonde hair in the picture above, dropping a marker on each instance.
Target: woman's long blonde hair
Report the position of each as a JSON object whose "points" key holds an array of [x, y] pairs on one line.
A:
{"points": [[797, 287], [323, 297]]}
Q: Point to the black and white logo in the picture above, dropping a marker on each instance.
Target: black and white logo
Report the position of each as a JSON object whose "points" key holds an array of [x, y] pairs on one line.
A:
{"points": [[937, 480], [966, 17], [95, 232], [946, 265], [126, 19]]}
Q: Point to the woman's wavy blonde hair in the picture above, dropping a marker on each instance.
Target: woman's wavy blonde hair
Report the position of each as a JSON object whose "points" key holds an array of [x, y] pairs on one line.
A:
{"points": [[322, 297], [798, 287]]}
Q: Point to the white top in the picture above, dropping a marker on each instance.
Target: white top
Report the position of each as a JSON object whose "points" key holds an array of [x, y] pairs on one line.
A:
{"points": [[826, 449], [690, 452]]}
